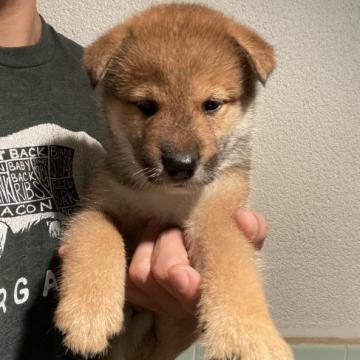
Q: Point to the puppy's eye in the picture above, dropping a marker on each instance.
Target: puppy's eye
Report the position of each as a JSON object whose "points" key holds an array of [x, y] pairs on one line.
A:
{"points": [[211, 106], [147, 107]]}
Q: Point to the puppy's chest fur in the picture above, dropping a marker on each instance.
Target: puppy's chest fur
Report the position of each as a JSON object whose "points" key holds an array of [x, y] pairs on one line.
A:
{"points": [[131, 209]]}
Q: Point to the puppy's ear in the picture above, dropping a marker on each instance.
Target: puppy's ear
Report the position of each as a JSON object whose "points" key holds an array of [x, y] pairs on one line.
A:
{"points": [[97, 56], [260, 53]]}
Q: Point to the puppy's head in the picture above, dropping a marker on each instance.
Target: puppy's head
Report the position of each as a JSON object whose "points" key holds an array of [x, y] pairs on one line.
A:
{"points": [[178, 81]]}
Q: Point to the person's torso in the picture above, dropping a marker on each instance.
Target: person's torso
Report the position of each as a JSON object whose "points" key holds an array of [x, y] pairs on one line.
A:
{"points": [[49, 144]]}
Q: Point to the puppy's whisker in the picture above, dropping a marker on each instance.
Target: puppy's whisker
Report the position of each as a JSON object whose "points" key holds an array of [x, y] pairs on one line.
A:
{"points": [[141, 171]]}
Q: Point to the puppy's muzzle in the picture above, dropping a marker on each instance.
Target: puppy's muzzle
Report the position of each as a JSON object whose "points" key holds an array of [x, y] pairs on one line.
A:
{"points": [[180, 166]]}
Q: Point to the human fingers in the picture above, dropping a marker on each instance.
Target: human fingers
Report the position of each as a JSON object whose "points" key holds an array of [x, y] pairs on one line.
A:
{"points": [[172, 270], [137, 297], [142, 288], [62, 250], [185, 282], [253, 225]]}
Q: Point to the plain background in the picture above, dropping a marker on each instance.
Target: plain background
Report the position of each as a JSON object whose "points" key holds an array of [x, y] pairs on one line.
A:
{"points": [[306, 171]]}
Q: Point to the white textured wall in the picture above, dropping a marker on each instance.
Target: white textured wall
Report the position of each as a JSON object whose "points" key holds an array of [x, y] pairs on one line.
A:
{"points": [[307, 170]]}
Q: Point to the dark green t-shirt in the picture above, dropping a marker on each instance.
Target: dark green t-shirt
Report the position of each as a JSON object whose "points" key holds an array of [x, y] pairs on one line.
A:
{"points": [[49, 141]]}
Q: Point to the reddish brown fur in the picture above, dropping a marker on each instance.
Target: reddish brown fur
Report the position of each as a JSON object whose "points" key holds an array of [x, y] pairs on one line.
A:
{"points": [[180, 75], [179, 56]]}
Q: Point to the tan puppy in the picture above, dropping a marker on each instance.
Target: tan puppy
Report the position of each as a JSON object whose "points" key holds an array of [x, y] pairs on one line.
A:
{"points": [[178, 86]]}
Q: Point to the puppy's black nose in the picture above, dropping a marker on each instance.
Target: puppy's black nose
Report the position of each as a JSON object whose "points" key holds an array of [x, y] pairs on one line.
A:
{"points": [[180, 166]]}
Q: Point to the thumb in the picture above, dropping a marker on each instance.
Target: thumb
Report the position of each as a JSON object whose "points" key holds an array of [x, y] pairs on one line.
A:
{"points": [[185, 284]]}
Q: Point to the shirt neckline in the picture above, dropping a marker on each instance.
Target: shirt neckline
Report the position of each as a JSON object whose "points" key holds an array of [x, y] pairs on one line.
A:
{"points": [[33, 55]]}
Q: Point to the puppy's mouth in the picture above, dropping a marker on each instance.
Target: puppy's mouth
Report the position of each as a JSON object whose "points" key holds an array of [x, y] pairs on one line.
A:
{"points": [[166, 181], [180, 173]]}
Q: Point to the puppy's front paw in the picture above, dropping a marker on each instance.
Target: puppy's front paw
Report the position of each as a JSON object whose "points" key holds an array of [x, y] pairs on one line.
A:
{"points": [[247, 343], [87, 324]]}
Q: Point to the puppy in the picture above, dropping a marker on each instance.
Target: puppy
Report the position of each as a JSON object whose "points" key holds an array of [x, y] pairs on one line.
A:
{"points": [[178, 84]]}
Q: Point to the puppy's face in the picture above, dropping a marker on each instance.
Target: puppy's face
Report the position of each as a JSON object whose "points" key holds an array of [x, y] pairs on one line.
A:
{"points": [[177, 88]]}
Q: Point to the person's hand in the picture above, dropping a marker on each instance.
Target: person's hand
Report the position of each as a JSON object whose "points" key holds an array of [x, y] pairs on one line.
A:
{"points": [[161, 279], [160, 276]]}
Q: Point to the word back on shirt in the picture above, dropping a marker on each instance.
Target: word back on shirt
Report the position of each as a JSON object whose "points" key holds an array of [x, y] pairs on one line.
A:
{"points": [[36, 179]]}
